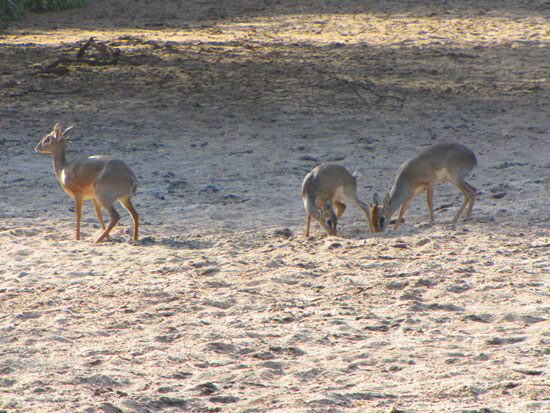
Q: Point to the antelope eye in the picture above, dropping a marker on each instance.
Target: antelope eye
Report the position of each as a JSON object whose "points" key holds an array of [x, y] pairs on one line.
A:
{"points": [[329, 223]]}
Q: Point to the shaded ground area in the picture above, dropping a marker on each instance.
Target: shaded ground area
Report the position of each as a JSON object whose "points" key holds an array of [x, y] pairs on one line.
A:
{"points": [[221, 108]]}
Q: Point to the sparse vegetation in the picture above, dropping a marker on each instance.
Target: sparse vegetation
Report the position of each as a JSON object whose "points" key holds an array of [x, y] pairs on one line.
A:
{"points": [[14, 9]]}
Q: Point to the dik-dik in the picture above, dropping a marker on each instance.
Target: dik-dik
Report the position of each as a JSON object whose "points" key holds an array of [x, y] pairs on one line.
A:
{"points": [[101, 178], [449, 162], [329, 185]]}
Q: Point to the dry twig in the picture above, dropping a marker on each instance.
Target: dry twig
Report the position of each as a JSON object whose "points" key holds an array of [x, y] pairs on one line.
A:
{"points": [[355, 85], [107, 56]]}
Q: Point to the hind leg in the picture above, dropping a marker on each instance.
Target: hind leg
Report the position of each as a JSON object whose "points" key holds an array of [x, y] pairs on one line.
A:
{"points": [[114, 216], [472, 199], [127, 203], [469, 193], [98, 213]]}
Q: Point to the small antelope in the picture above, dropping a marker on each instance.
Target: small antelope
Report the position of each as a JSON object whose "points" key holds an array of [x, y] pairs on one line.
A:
{"points": [[101, 178], [327, 185], [449, 162]]}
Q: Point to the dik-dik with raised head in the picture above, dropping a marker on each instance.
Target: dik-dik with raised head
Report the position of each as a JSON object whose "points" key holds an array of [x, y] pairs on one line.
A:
{"points": [[101, 178]]}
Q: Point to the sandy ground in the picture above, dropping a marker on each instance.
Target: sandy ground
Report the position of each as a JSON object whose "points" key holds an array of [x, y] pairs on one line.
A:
{"points": [[221, 108]]}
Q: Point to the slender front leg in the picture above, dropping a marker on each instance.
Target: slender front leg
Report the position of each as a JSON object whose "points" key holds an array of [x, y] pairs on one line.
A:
{"points": [[429, 200], [402, 212], [78, 207], [307, 225]]}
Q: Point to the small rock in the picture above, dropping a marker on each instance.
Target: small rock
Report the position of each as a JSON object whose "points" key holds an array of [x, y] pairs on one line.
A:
{"points": [[276, 365], [284, 232], [309, 158], [381, 328], [233, 198], [458, 288], [477, 318], [425, 282], [224, 399], [219, 347], [166, 389], [495, 341], [499, 195], [264, 355], [177, 186], [211, 188], [206, 389], [529, 372], [400, 245], [210, 271], [170, 402], [182, 375], [109, 408], [396, 285]]}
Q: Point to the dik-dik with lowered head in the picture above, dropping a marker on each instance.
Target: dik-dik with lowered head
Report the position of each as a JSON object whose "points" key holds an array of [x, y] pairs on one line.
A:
{"points": [[449, 162], [101, 178], [329, 185]]}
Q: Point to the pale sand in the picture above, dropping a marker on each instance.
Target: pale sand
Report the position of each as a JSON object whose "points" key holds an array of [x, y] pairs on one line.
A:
{"points": [[223, 305]]}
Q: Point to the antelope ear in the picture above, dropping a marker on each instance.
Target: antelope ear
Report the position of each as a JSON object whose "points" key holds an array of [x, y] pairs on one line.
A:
{"points": [[57, 130], [376, 199], [68, 132]]}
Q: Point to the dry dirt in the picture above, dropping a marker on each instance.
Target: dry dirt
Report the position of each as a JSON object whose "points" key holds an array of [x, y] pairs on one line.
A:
{"points": [[221, 108]]}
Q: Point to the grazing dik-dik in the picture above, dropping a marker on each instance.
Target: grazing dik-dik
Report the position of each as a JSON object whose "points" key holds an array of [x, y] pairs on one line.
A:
{"points": [[449, 162], [101, 178], [327, 185]]}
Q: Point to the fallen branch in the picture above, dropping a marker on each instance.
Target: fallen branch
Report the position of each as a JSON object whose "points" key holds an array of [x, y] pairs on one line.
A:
{"points": [[83, 48], [70, 60], [355, 85], [107, 56]]}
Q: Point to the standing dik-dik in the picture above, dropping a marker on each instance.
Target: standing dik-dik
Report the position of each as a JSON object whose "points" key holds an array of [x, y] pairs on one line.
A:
{"points": [[449, 162], [101, 178], [327, 185]]}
